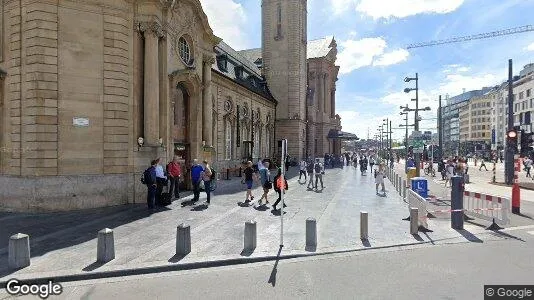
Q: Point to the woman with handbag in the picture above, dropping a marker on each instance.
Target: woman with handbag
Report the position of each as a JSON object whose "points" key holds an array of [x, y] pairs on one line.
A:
{"points": [[265, 178], [379, 178]]}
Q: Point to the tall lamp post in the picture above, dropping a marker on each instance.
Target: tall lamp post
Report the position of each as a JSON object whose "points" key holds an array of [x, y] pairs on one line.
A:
{"points": [[416, 125], [387, 136]]}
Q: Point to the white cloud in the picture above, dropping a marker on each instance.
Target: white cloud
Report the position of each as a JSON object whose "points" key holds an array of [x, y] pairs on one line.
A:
{"points": [[403, 8], [354, 122], [530, 47], [393, 57], [228, 25], [366, 52], [454, 84], [359, 53], [341, 6]]}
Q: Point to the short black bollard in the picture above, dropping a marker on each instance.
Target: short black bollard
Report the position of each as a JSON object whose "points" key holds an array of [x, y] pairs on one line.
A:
{"points": [[457, 202]]}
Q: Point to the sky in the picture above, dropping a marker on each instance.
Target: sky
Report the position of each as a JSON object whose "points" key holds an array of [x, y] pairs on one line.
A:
{"points": [[372, 36]]}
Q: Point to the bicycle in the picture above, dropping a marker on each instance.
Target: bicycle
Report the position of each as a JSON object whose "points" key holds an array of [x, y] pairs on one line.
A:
{"points": [[429, 170]]}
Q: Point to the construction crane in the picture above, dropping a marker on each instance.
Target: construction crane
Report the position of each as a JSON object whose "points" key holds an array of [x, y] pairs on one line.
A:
{"points": [[479, 36]]}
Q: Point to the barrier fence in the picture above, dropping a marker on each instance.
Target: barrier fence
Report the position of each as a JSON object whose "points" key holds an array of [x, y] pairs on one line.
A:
{"points": [[416, 201], [487, 207]]}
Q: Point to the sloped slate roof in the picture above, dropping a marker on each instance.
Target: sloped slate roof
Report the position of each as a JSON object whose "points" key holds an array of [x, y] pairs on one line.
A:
{"points": [[251, 54], [320, 47], [251, 77], [234, 55]]}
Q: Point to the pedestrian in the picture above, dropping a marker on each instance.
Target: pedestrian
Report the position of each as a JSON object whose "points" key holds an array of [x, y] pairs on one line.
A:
{"points": [[248, 179], [196, 173], [318, 171], [280, 186], [482, 164], [379, 178], [449, 172], [355, 160], [303, 166], [207, 177], [287, 161], [265, 179], [150, 180], [175, 175], [309, 169], [161, 181], [371, 162], [528, 165]]}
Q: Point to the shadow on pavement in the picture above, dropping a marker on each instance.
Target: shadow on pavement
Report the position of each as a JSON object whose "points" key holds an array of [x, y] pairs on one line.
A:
{"points": [[262, 207], [200, 207], [272, 278], [93, 266], [52, 231], [176, 258], [469, 236], [417, 237], [366, 243]]}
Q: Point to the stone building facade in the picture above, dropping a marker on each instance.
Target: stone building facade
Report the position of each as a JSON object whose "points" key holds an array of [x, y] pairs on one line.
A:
{"points": [[92, 90]]}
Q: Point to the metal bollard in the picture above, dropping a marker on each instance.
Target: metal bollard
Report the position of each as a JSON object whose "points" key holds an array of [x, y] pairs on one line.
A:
{"points": [[183, 239], [105, 246], [414, 220], [19, 251], [250, 236], [364, 225], [457, 202], [404, 189], [311, 232], [399, 183]]}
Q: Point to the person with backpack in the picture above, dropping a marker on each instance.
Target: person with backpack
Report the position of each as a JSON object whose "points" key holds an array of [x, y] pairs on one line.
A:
{"points": [[207, 177], [319, 171], [196, 173], [149, 179], [265, 179], [175, 173], [161, 181], [280, 185], [309, 169]]}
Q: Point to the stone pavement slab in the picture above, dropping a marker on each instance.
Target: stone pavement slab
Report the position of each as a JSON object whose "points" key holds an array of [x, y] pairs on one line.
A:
{"points": [[144, 239]]}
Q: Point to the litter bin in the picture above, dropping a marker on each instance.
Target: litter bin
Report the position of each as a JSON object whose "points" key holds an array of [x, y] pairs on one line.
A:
{"points": [[410, 174], [420, 186]]}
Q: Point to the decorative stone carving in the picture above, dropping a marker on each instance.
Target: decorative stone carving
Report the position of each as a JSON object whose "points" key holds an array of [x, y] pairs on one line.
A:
{"points": [[312, 75], [228, 105], [151, 27]]}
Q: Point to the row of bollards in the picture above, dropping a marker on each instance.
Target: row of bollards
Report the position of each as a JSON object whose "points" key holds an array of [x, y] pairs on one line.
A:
{"points": [[19, 244]]}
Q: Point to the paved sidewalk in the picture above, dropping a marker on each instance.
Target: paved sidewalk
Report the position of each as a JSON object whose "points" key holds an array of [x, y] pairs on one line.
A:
{"points": [[65, 244]]}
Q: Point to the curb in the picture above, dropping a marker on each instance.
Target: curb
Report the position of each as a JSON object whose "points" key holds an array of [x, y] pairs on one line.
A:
{"points": [[190, 266]]}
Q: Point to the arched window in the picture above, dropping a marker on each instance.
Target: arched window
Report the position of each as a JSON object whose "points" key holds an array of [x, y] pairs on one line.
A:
{"points": [[257, 143], [268, 142], [228, 140]]}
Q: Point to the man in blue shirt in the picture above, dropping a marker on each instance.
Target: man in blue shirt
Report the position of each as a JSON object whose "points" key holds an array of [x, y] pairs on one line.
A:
{"points": [[196, 172], [410, 163], [150, 181]]}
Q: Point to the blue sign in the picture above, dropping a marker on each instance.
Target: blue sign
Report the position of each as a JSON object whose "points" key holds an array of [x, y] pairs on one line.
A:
{"points": [[420, 186]]}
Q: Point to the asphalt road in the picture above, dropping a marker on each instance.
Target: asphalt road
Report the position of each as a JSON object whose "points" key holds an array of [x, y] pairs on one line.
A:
{"points": [[453, 271]]}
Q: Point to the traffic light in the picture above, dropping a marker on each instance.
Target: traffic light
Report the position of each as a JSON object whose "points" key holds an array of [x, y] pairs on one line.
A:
{"points": [[511, 139], [526, 143]]}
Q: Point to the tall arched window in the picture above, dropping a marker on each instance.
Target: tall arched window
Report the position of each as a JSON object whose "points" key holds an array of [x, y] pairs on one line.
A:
{"points": [[257, 144], [268, 142], [228, 139], [279, 20]]}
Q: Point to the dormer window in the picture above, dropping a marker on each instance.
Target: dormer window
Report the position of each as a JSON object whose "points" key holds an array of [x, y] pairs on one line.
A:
{"points": [[222, 62], [238, 72]]}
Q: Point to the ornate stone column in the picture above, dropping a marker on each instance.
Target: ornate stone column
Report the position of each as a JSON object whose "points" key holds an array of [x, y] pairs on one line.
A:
{"points": [[152, 31], [320, 95], [206, 101]]}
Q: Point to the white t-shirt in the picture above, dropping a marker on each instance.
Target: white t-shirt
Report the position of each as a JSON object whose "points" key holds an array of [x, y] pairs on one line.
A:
{"points": [[303, 165], [528, 163]]}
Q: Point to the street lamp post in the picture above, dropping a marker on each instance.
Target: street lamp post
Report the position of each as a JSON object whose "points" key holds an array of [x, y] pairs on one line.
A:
{"points": [[416, 110]]}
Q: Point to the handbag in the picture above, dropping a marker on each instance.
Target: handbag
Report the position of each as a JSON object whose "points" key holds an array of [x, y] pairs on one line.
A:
{"points": [[268, 185]]}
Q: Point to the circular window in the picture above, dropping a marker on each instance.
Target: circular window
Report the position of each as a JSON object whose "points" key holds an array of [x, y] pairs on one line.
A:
{"points": [[228, 105], [185, 51]]}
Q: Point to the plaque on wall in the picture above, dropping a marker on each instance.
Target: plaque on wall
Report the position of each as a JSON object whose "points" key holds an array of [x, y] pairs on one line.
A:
{"points": [[80, 122]]}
